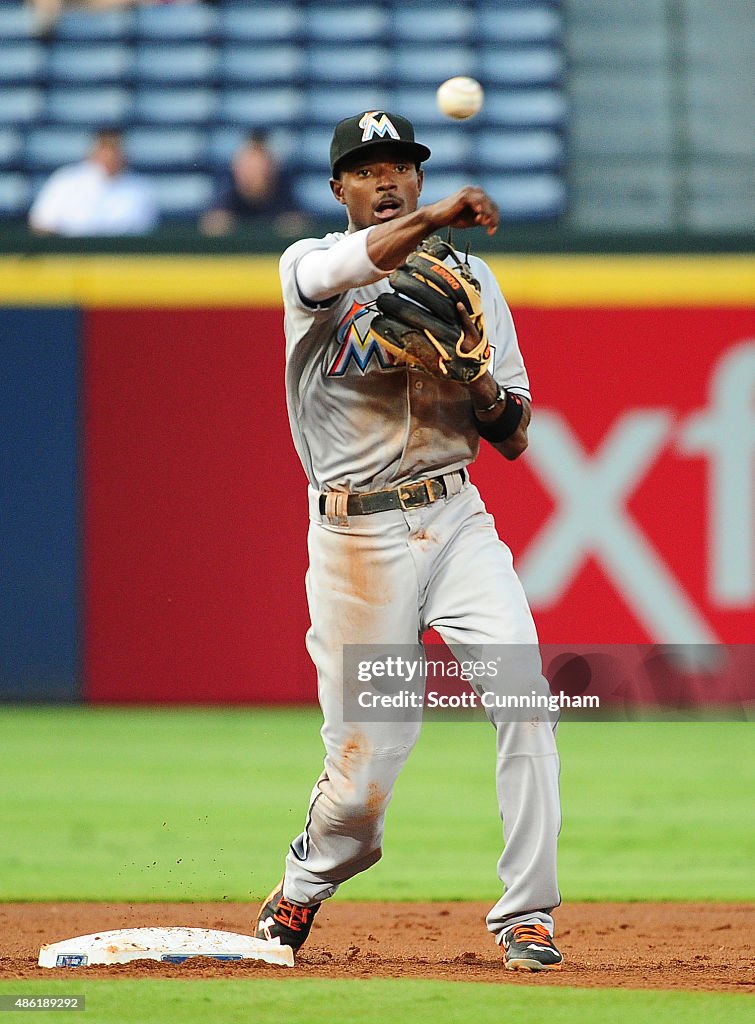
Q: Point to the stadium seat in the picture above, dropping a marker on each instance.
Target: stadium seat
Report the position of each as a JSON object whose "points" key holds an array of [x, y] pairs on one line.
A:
{"points": [[438, 186], [349, 25], [525, 107], [50, 148], [182, 195], [362, 64], [98, 63], [521, 66], [434, 22], [313, 147], [192, 64], [239, 64], [521, 150], [451, 149], [22, 62], [314, 196], [17, 22], [92, 107], [418, 105], [239, 24], [432, 64], [11, 147], [95, 25], [527, 196], [177, 21], [260, 108], [179, 106], [15, 195], [538, 23], [169, 146], [327, 105], [20, 106]]}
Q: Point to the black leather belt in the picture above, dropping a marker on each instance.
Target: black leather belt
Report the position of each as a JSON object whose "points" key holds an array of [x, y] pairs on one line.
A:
{"points": [[412, 495]]}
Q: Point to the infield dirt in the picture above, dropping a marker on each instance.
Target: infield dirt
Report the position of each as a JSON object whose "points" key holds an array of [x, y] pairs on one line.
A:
{"points": [[693, 946]]}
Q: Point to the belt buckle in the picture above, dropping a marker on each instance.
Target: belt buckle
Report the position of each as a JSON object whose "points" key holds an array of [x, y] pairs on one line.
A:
{"points": [[409, 498]]}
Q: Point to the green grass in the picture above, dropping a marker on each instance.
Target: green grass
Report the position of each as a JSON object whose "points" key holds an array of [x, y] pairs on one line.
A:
{"points": [[191, 804], [384, 1001]]}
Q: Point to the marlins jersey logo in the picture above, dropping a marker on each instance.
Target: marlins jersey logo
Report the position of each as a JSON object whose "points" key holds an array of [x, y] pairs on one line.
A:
{"points": [[356, 344], [377, 124]]}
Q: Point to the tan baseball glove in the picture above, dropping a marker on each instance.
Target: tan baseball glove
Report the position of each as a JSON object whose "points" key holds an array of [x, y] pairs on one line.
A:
{"points": [[418, 321]]}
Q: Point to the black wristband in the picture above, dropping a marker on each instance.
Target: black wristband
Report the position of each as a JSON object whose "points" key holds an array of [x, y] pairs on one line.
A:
{"points": [[501, 428], [500, 396]]}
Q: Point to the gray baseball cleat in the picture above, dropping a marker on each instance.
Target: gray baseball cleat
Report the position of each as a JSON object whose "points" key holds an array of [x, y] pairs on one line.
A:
{"points": [[280, 919], [530, 947]]}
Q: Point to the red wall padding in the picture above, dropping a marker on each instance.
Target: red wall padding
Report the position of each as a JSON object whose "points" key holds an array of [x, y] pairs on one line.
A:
{"points": [[195, 509]]}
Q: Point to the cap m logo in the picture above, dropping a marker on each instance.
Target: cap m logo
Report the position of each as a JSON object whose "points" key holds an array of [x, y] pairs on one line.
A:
{"points": [[376, 123]]}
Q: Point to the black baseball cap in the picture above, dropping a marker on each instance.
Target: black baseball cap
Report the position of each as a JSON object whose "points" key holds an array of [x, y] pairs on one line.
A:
{"points": [[367, 131]]}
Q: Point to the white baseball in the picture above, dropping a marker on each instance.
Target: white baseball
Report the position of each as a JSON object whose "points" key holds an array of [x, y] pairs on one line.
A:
{"points": [[460, 97]]}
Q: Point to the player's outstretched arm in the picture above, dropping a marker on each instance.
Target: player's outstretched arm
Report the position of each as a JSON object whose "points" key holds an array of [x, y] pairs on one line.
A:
{"points": [[389, 244]]}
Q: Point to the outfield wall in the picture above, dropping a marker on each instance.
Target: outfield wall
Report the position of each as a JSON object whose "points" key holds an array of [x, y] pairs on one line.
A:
{"points": [[154, 511]]}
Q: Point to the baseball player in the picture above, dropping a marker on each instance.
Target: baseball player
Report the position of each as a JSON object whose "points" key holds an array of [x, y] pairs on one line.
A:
{"points": [[399, 539]]}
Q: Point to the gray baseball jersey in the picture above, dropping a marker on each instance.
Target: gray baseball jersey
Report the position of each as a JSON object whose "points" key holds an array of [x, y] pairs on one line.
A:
{"points": [[359, 422]]}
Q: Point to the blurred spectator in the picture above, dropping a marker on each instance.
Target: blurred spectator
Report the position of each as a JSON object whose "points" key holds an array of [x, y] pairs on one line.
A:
{"points": [[98, 196], [256, 189]]}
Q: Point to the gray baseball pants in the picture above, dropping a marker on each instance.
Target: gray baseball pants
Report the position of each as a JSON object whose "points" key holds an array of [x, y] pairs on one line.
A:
{"points": [[384, 579]]}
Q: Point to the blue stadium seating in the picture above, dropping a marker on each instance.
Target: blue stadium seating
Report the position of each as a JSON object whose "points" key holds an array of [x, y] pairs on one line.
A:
{"points": [[349, 24], [523, 66], [176, 22], [171, 148], [87, 26], [329, 63], [160, 105], [49, 148], [183, 195], [11, 147], [425, 64], [16, 22], [260, 24], [261, 108], [536, 196], [326, 104], [22, 62], [538, 22], [439, 185], [187, 82], [434, 22], [110, 106], [103, 63], [21, 106], [182, 64], [521, 150], [15, 194], [258, 63]]}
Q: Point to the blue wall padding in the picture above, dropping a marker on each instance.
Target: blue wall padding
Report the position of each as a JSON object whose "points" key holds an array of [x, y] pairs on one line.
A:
{"points": [[40, 569]]}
